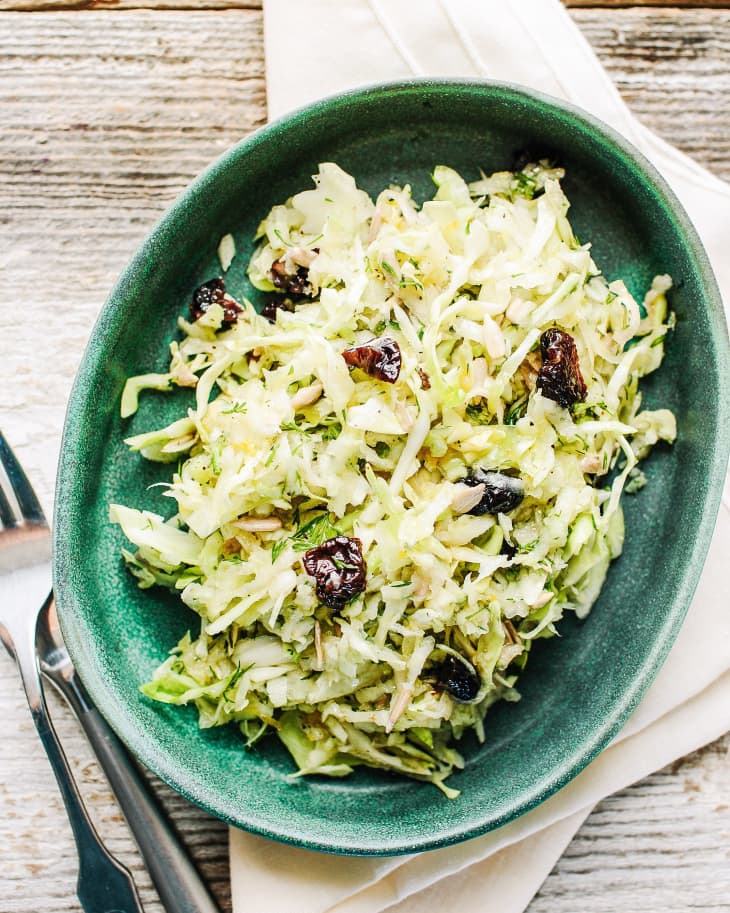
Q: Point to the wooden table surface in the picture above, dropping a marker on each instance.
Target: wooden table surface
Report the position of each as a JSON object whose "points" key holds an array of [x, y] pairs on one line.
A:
{"points": [[108, 109]]}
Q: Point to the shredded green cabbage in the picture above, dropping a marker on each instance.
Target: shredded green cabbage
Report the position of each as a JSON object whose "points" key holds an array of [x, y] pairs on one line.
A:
{"points": [[285, 447]]}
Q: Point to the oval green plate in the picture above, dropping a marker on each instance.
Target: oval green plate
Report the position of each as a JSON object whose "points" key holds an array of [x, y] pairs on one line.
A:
{"points": [[579, 688]]}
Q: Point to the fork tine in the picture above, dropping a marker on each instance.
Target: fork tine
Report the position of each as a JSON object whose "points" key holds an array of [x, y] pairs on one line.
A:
{"points": [[21, 489]]}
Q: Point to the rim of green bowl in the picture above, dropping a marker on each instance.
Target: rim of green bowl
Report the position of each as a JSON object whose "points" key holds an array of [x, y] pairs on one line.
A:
{"points": [[65, 507]]}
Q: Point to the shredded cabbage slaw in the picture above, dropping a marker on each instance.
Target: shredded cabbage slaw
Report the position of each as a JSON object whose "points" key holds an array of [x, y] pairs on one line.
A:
{"points": [[285, 447]]}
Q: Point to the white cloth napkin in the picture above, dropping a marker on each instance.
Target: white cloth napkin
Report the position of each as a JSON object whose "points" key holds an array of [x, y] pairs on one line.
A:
{"points": [[318, 47]]}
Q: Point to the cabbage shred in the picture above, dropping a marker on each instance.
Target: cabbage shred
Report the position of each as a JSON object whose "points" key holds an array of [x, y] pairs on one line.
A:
{"points": [[285, 447]]}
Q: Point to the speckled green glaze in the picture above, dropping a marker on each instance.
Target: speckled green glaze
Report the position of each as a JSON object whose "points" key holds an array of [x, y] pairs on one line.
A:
{"points": [[579, 688]]}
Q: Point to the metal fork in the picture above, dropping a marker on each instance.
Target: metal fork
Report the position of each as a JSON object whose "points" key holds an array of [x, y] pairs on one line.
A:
{"points": [[180, 887], [104, 884]]}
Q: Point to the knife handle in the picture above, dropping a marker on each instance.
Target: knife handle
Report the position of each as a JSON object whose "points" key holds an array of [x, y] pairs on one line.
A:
{"points": [[173, 874]]}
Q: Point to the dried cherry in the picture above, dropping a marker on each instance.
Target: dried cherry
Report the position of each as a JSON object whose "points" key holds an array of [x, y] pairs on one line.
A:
{"points": [[458, 678], [380, 358], [559, 378], [507, 549], [339, 570], [214, 292], [502, 493], [276, 304], [296, 283]]}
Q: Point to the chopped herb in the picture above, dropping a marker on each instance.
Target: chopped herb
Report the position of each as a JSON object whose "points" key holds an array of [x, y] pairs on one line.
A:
{"points": [[588, 410], [331, 432], [281, 238], [479, 413], [657, 342], [272, 454], [516, 411], [387, 268], [406, 281], [313, 533], [383, 325], [524, 185], [277, 548], [382, 449], [236, 407], [233, 679]]}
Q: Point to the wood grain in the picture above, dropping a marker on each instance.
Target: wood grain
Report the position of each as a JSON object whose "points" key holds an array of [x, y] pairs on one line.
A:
{"points": [[626, 4], [43, 6], [104, 119], [112, 5], [673, 69], [660, 846]]}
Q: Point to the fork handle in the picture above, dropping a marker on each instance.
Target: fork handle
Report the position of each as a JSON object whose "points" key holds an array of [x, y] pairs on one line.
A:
{"points": [[104, 884], [173, 874]]}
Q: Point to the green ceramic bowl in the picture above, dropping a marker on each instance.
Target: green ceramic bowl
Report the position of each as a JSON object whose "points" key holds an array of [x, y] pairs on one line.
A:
{"points": [[579, 688]]}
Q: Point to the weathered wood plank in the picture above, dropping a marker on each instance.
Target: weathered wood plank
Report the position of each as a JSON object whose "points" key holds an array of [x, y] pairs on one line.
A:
{"points": [[660, 846], [672, 69], [105, 118], [625, 4], [112, 5], [44, 6]]}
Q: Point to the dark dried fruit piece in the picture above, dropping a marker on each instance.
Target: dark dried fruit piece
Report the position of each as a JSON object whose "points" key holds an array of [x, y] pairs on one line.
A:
{"points": [[507, 549], [425, 379], [296, 284], [292, 283], [559, 378], [338, 568], [380, 358], [502, 493], [276, 304], [457, 677], [214, 292]]}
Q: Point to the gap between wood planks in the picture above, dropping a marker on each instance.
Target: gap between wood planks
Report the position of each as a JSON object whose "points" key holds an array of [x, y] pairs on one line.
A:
{"points": [[45, 6]]}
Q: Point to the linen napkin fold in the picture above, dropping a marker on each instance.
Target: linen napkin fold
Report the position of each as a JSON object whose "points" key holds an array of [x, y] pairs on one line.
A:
{"points": [[349, 43]]}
